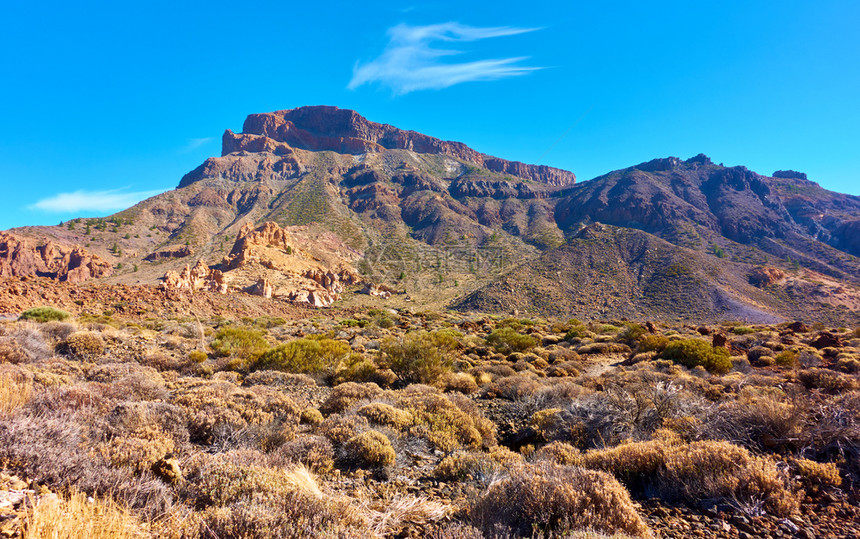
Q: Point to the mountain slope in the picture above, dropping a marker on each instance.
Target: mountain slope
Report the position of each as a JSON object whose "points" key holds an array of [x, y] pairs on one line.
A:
{"points": [[449, 225]]}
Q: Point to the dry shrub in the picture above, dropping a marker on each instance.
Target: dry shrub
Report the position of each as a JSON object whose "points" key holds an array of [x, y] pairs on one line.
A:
{"points": [[557, 500], [385, 414], [311, 416], [558, 453], [77, 517], [370, 449], [11, 351], [128, 381], [253, 501], [186, 363], [457, 530], [468, 465], [515, 388], [278, 379], [758, 420], [708, 469], [848, 364], [57, 331], [833, 432], [398, 517], [556, 393], [22, 343], [347, 394], [827, 380], [756, 355], [696, 471], [142, 433], [446, 422], [55, 446], [634, 464], [339, 429], [815, 476], [461, 382], [564, 368], [83, 345], [212, 404], [314, 452], [140, 450], [627, 405], [487, 373]]}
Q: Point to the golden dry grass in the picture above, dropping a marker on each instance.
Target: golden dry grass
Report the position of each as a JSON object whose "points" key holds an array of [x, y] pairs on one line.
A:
{"points": [[14, 393], [80, 517]]}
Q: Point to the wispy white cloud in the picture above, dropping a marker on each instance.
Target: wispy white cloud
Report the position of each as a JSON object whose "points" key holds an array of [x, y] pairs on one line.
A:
{"points": [[195, 143], [97, 201], [410, 62]]}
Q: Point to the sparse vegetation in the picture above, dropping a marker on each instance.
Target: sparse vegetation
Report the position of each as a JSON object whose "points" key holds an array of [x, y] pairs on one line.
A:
{"points": [[241, 440]]}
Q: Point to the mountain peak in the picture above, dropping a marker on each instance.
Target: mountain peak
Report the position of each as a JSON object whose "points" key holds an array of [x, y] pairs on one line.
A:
{"points": [[327, 128]]}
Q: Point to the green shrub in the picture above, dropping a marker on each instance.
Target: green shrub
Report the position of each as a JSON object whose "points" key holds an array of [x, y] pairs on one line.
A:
{"points": [[694, 352], [632, 333], [743, 330], [507, 340], [242, 342], [309, 355], [577, 331], [420, 357], [44, 314], [652, 343]]}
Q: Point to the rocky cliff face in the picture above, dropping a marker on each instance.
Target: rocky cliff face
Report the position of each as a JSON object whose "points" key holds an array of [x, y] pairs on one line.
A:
{"points": [[345, 131], [19, 258]]}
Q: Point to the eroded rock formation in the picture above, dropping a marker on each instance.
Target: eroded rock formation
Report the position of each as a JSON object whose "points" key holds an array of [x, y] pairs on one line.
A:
{"points": [[268, 261], [200, 277], [19, 258]]}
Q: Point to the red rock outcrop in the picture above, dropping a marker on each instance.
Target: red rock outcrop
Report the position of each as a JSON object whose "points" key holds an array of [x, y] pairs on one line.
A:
{"points": [[19, 258], [324, 128], [200, 277], [268, 261], [766, 276], [268, 234]]}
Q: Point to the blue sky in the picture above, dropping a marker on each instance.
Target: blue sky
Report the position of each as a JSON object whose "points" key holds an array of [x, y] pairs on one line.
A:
{"points": [[104, 103]]}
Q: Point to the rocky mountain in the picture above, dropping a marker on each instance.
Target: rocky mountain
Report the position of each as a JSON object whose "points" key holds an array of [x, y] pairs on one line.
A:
{"points": [[447, 225]]}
